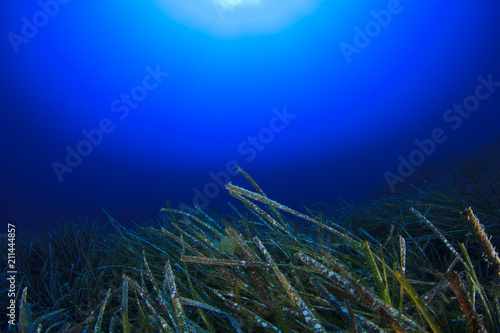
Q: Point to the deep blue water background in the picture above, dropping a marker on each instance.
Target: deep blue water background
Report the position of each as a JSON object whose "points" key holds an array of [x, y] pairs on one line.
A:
{"points": [[229, 74]]}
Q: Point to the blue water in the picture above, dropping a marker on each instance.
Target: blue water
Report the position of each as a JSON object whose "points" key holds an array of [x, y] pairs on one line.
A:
{"points": [[125, 104]]}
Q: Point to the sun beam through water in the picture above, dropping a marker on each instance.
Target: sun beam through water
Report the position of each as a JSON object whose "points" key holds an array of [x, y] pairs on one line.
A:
{"points": [[235, 18]]}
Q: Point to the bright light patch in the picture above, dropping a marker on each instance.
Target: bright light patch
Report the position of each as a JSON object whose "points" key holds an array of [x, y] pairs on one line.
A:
{"points": [[230, 4], [235, 18]]}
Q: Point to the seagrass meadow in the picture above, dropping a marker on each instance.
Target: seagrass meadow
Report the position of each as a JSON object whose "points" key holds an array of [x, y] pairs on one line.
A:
{"points": [[419, 262]]}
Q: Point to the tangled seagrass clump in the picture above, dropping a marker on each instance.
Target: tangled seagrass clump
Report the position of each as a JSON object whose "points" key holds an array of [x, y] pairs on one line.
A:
{"points": [[416, 263]]}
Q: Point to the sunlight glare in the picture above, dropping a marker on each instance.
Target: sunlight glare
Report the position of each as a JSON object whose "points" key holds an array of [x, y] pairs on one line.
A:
{"points": [[235, 18]]}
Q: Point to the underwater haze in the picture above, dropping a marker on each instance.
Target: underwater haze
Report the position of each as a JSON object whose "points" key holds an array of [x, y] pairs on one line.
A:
{"points": [[122, 105]]}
